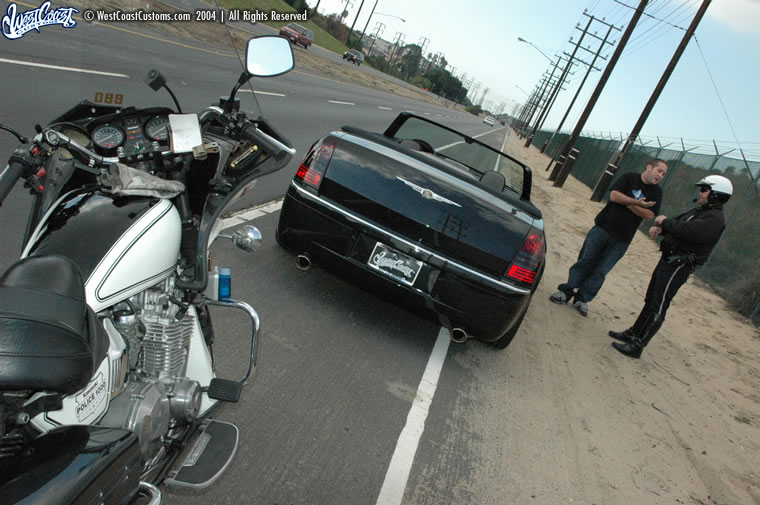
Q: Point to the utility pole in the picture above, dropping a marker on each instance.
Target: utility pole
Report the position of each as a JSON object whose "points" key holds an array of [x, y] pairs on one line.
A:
{"points": [[367, 24], [547, 81], [424, 41], [379, 28], [556, 91], [524, 112], [580, 86], [474, 92], [567, 159], [553, 94], [483, 96], [396, 45], [614, 163], [351, 31]]}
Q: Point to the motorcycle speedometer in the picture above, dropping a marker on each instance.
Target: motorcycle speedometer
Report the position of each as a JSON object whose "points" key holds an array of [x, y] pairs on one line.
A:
{"points": [[157, 128], [108, 136]]}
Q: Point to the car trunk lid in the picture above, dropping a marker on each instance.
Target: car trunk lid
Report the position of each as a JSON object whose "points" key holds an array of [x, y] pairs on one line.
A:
{"points": [[439, 210]]}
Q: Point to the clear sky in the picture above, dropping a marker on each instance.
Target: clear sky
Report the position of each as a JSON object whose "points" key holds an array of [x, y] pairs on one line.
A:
{"points": [[481, 41]]}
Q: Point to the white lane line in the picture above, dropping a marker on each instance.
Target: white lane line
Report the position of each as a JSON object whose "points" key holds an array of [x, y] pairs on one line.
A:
{"points": [[251, 214], [67, 69], [397, 476], [341, 103], [392, 492], [260, 92], [384, 108]]}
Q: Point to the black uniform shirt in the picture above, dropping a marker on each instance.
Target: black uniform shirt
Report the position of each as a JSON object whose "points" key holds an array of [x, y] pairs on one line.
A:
{"points": [[695, 231]]}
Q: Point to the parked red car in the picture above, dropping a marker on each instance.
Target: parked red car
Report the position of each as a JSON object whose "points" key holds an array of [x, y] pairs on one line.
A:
{"points": [[297, 34]]}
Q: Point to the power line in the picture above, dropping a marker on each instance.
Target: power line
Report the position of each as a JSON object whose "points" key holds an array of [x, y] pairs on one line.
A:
{"points": [[717, 92]]}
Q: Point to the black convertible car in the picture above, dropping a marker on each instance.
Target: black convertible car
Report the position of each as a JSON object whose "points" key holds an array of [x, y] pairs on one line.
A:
{"points": [[426, 215]]}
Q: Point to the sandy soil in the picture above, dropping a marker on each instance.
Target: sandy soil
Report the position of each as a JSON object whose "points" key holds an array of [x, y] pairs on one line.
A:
{"points": [[680, 425]]}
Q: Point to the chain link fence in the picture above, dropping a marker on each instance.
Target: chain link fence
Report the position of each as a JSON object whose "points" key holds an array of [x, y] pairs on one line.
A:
{"points": [[734, 266]]}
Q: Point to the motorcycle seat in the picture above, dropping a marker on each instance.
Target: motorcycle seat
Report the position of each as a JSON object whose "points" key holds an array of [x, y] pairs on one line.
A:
{"points": [[49, 338]]}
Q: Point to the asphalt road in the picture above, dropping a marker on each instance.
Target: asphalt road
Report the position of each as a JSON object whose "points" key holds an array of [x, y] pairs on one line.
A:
{"points": [[339, 369]]}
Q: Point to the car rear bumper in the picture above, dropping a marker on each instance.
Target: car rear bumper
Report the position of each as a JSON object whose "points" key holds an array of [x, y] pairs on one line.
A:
{"points": [[486, 307]]}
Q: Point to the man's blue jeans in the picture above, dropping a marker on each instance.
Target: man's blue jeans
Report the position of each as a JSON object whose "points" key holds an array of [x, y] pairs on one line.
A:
{"points": [[598, 256]]}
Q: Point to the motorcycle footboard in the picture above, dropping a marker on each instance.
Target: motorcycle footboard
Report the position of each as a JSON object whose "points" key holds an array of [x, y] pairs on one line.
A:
{"points": [[209, 456]]}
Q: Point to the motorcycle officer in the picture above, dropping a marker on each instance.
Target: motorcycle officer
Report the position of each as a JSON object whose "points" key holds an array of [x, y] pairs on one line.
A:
{"points": [[688, 240]]}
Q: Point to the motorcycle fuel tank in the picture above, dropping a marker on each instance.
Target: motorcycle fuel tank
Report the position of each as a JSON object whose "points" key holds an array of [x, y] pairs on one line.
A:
{"points": [[122, 245]]}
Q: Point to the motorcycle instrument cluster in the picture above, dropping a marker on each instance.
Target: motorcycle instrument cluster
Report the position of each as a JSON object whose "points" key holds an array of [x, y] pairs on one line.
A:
{"points": [[157, 128], [132, 137], [107, 136]]}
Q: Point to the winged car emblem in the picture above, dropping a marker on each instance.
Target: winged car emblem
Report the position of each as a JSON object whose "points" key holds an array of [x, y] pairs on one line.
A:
{"points": [[428, 194]]}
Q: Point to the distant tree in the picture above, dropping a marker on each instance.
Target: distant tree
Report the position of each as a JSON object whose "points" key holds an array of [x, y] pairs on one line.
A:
{"points": [[444, 84], [300, 5], [410, 61], [420, 82]]}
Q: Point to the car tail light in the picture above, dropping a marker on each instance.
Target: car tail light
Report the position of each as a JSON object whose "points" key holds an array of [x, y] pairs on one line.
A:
{"points": [[314, 165], [528, 259]]}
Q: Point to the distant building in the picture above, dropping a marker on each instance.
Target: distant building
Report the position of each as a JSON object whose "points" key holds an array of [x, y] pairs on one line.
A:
{"points": [[378, 47]]}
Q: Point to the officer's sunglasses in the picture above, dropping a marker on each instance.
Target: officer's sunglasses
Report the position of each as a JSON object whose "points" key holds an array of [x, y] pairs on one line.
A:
{"points": [[704, 189]]}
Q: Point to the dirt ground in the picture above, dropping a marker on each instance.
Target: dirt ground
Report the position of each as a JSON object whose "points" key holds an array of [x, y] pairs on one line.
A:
{"points": [[680, 425]]}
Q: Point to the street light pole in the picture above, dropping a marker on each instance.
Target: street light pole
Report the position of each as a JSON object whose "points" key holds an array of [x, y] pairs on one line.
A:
{"points": [[536, 48]]}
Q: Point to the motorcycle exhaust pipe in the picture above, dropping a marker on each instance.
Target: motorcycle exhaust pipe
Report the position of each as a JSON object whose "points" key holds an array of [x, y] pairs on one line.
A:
{"points": [[303, 261], [458, 335]]}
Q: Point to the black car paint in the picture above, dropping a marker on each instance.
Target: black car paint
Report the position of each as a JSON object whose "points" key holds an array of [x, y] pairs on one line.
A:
{"points": [[461, 296], [465, 248], [463, 229]]}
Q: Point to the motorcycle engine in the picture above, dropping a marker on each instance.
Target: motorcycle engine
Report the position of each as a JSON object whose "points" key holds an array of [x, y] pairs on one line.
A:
{"points": [[157, 396]]}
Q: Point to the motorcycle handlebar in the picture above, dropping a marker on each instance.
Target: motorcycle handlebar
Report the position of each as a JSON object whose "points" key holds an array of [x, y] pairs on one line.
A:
{"points": [[270, 144], [8, 178]]}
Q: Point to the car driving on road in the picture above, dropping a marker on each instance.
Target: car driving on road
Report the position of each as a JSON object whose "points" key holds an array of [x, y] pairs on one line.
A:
{"points": [[297, 34], [354, 56]]}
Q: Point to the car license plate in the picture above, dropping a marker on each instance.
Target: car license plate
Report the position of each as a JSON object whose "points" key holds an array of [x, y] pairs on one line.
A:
{"points": [[394, 264]]}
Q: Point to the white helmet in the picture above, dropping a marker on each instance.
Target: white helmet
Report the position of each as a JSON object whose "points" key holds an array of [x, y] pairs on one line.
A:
{"points": [[721, 188]]}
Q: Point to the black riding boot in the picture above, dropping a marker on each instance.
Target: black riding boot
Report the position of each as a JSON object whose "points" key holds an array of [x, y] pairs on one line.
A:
{"points": [[627, 335], [639, 341]]}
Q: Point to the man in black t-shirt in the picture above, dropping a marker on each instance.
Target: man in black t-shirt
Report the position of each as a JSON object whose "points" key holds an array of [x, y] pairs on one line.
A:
{"points": [[633, 197]]}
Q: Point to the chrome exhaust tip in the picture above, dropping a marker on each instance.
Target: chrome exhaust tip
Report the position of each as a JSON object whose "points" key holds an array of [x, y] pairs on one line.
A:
{"points": [[303, 261], [458, 335]]}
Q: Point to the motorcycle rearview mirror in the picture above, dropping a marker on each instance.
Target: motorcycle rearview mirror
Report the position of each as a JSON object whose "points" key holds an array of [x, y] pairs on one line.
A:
{"points": [[247, 237], [268, 56], [265, 56], [156, 80]]}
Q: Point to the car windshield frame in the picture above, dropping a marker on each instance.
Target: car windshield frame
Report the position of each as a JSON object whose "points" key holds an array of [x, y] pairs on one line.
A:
{"points": [[466, 151]]}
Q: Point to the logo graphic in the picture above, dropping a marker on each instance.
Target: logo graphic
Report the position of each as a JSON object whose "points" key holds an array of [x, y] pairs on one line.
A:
{"points": [[427, 194], [16, 24], [638, 194], [89, 401]]}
